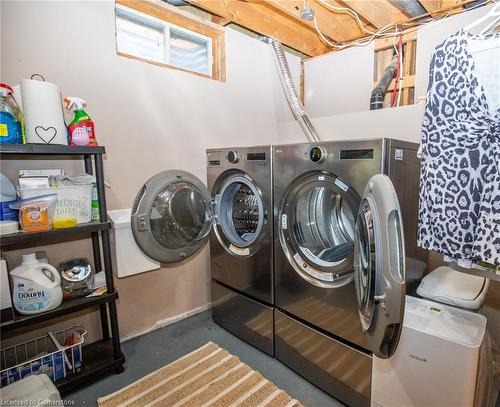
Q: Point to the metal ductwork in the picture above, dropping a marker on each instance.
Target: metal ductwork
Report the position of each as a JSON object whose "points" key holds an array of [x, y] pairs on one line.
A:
{"points": [[412, 8], [378, 94], [293, 100], [176, 2]]}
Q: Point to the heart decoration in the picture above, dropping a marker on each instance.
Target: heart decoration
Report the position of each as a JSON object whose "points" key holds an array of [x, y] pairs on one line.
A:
{"points": [[46, 134]]}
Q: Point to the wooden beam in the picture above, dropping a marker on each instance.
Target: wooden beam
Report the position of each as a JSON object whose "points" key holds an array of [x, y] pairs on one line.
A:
{"points": [[408, 82], [388, 42], [408, 69], [337, 26], [261, 19], [433, 6], [377, 12], [220, 20]]}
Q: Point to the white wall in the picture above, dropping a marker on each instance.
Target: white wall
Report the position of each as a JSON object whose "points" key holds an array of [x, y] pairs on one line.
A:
{"points": [[150, 119], [339, 82], [431, 35], [402, 123]]}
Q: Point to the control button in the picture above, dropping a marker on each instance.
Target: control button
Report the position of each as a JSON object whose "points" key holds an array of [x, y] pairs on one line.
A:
{"points": [[233, 157], [317, 154]]}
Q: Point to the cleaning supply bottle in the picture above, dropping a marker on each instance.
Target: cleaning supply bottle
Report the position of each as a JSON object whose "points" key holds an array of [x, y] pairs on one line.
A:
{"points": [[81, 128], [11, 122], [36, 286], [8, 195]]}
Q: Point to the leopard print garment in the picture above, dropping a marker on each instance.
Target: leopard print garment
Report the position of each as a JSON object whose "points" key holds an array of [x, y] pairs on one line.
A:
{"points": [[459, 206]]}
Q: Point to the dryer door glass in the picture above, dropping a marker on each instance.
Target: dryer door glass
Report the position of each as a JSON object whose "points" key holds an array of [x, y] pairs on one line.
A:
{"points": [[240, 213], [172, 216], [379, 266], [317, 228]]}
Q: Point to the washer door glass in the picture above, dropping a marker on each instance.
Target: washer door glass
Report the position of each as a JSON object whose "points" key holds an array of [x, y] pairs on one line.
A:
{"points": [[240, 213], [172, 216], [379, 266], [316, 228]]}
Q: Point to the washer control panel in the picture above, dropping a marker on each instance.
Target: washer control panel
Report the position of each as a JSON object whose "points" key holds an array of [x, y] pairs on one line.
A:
{"points": [[233, 156]]}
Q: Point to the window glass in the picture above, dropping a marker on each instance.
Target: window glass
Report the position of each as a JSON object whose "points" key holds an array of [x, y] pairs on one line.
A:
{"points": [[140, 40], [189, 52], [147, 37], [179, 215]]}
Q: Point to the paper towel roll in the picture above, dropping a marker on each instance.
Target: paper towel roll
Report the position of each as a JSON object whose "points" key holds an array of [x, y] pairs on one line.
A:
{"points": [[43, 114]]}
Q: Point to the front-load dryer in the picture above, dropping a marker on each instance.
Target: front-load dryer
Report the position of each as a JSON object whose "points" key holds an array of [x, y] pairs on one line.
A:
{"points": [[175, 214], [340, 257]]}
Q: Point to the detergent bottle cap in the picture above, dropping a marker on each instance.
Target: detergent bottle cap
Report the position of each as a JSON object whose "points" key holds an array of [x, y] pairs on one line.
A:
{"points": [[74, 102], [30, 258], [4, 86]]}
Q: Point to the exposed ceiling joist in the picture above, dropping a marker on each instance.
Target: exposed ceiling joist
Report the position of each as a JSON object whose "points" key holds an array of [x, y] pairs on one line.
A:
{"points": [[220, 20], [337, 26], [433, 6], [259, 18], [377, 12]]}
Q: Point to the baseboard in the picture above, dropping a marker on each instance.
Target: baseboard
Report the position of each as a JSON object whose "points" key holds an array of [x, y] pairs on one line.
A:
{"points": [[167, 321]]}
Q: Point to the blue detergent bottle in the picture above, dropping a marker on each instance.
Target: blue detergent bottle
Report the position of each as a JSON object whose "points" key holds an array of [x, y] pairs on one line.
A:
{"points": [[11, 128]]}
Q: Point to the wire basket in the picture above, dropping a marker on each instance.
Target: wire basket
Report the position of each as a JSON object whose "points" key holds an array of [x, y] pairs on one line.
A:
{"points": [[55, 354]]}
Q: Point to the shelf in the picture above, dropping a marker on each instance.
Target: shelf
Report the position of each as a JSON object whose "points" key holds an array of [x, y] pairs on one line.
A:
{"points": [[67, 307], [37, 237], [49, 149], [97, 360]]}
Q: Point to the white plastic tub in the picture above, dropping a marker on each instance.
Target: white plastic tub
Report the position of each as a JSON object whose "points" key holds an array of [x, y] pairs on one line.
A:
{"points": [[72, 201], [130, 259]]}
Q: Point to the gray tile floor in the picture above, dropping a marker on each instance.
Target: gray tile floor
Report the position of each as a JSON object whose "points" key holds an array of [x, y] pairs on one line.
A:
{"points": [[156, 349]]}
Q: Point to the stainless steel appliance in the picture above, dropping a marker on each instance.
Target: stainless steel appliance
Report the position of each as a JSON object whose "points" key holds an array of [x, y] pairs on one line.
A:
{"points": [[340, 257], [174, 214]]}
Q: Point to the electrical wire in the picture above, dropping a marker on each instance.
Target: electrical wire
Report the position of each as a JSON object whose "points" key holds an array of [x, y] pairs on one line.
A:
{"points": [[350, 11], [398, 69], [400, 81], [382, 32]]}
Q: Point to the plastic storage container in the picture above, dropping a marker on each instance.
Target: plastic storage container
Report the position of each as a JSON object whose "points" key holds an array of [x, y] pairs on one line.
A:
{"points": [[72, 201], [7, 196], [24, 359], [130, 259], [35, 390]]}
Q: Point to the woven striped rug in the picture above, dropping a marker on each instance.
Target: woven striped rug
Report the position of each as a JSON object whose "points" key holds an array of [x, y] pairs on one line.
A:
{"points": [[209, 376]]}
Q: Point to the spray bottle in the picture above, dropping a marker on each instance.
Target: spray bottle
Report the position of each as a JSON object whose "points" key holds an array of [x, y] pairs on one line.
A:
{"points": [[81, 129]]}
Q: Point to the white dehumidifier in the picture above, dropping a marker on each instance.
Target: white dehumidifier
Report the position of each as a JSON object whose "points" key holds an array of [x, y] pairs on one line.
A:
{"points": [[437, 359]]}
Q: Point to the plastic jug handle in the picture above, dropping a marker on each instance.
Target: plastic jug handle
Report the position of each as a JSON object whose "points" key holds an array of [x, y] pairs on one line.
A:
{"points": [[56, 282]]}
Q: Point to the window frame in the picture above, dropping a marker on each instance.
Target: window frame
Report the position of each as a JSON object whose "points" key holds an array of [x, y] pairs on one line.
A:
{"points": [[185, 23]]}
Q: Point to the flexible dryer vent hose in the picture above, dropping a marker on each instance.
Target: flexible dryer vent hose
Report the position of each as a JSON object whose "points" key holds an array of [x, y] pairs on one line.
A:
{"points": [[378, 93], [293, 100]]}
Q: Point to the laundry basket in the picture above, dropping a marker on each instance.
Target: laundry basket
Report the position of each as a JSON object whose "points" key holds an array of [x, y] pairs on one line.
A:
{"points": [[42, 355]]}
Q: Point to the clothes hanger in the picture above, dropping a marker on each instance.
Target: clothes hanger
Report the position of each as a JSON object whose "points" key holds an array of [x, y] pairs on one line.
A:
{"points": [[490, 26], [494, 12]]}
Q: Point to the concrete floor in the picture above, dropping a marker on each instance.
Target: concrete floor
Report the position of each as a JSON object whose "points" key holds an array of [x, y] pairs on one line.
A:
{"points": [[156, 349]]}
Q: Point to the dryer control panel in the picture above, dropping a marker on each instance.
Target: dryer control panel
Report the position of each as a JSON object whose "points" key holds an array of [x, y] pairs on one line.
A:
{"points": [[318, 154]]}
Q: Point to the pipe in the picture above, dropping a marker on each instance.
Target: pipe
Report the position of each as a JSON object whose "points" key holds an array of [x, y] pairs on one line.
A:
{"points": [[293, 100], [379, 92]]}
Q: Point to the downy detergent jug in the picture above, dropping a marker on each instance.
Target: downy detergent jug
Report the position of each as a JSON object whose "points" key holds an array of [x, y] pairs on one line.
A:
{"points": [[36, 286]]}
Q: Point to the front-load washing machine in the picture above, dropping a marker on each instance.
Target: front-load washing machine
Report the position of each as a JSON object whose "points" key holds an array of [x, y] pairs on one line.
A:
{"points": [[340, 257], [175, 214]]}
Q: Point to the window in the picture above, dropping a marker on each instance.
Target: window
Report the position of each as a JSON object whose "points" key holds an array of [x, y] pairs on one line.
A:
{"points": [[160, 34]]}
